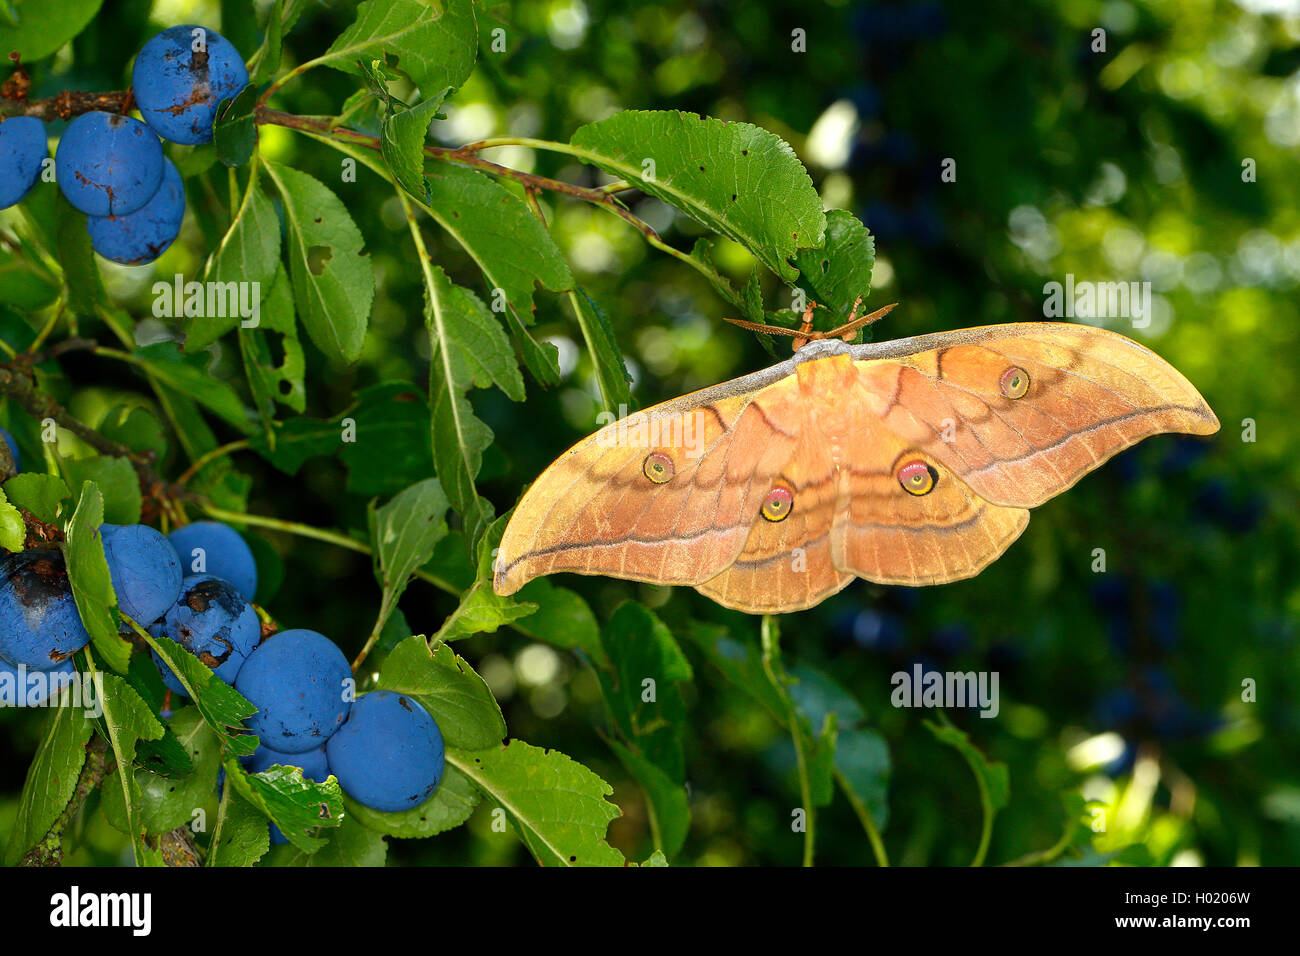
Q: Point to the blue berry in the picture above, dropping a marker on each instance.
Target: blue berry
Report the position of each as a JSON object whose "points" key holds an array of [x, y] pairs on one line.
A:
{"points": [[39, 624], [22, 149], [300, 683], [213, 622], [145, 570], [13, 450], [178, 89], [108, 164], [142, 236], [21, 686], [208, 547], [389, 755]]}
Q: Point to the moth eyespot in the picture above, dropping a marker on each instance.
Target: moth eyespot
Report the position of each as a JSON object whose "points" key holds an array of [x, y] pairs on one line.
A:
{"points": [[778, 504], [1014, 382], [917, 478], [658, 468]]}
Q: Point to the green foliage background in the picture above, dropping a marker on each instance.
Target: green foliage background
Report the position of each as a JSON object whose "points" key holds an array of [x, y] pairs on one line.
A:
{"points": [[1122, 689]]}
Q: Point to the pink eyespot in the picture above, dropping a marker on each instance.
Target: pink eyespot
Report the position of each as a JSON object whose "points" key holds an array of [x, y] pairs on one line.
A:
{"points": [[917, 478], [658, 468], [778, 504], [1014, 382]]}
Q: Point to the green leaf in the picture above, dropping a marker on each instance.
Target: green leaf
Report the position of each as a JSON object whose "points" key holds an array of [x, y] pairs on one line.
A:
{"points": [[189, 375], [245, 835], [641, 688], [333, 280], [128, 720], [402, 136], [668, 805], [737, 179], [351, 844], [42, 26], [83, 287], [51, 779], [92, 586], [611, 373], [839, 271], [297, 806], [450, 806], [556, 804], [502, 235], [136, 427], [992, 775], [434, 44], [469, 348], [38, 494], [741, 663], [165, 803], [481, 609], [13, 529], [249, 252], [383, 439], [457, 697], [116, 480], [862, 762], [562, 619], [268, 382], [403, 534], [234, 132], [223, 707]]}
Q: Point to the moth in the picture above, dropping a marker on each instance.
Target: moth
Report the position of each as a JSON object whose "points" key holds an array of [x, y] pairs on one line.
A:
{"points": [[906, 462]]}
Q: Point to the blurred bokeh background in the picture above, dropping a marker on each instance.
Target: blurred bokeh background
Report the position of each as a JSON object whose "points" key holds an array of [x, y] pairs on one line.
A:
{"points": [[1112, 165]]}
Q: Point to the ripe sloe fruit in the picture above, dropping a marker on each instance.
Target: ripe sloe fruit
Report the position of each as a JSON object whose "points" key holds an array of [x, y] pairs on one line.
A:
{"points": [[209, 547], [139, 237], [389, 755], [145, 570], [213, 622], [108, 164], [22, 148], [39, 623], [178, 89], [300, 683]]}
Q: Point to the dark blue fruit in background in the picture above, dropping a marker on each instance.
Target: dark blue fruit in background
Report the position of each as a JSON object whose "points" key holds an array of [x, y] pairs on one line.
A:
{"points": [[22, 148], [145, 570], [39, 624], [213, 622], [300, 683], [38, 683], [313, 764], [208, 547], [178, 89], [142, 236], [13, 450], [107, 164], [389, 755]]}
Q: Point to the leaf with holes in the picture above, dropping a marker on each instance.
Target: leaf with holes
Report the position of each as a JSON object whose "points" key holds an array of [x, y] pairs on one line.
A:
{"points": [[839, 271], [737, 179], [434, 44], [556, 804], [333, 281]]}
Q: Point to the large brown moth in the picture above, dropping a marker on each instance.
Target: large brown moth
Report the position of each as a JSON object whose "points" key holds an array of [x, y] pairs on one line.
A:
{"points": [[913, 461]]}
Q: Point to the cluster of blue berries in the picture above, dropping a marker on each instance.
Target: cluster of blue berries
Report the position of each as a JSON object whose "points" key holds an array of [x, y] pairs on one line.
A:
{"points": [[196, 587], [111, 166]]}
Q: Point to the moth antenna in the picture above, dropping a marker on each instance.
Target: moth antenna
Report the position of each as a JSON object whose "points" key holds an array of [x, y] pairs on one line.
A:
{"points": [[846, 330]]}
